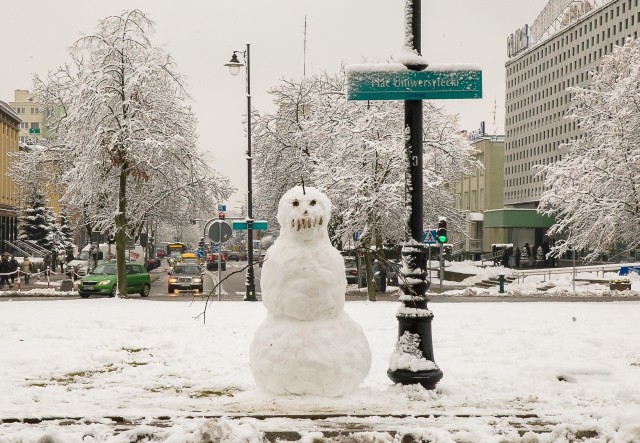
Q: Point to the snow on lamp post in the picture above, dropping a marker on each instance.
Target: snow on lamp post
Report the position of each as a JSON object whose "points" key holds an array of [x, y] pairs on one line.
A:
{"points": [[412, 361], [234, 66]]}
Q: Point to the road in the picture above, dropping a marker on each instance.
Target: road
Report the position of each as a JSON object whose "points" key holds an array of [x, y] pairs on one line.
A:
{"points": [[233, 289]]}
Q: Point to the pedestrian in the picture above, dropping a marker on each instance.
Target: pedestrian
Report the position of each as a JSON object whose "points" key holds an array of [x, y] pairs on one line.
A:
{"points": [[13, 268], [545, 252], [494, 249], [62, 264], [4, 271], [46, 261], [382, 273], [505, 257], [518, 256], [534, 254], [25, 267]]}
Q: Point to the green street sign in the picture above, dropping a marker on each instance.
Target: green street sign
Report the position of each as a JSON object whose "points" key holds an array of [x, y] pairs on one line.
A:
{"points": [[34, 130], [258, 225], [413, 85]]}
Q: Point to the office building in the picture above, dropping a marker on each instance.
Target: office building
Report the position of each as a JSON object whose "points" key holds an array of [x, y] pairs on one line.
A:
{"points": [[9, 141], [567, 41]]}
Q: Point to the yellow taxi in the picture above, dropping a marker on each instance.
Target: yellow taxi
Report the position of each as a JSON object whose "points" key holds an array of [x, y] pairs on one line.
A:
{"points": [[190, 257]]}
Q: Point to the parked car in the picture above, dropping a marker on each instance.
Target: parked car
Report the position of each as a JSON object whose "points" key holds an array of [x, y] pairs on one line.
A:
{"points": [[393, 270], [351, 270], [102, 280], [212, 261], [153, 263], [185, 277]]}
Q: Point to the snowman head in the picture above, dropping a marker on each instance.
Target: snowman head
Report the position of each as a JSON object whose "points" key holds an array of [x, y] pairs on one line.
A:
{"points": [[303, 213]]}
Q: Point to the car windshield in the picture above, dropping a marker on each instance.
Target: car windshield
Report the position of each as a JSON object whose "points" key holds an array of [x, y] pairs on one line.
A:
{"points": [[105, 269], [84, 255], [190, 270]]}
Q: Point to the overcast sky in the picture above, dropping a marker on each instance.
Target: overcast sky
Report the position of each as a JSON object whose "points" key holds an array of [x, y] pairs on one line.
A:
{"points": [[201, 35]]}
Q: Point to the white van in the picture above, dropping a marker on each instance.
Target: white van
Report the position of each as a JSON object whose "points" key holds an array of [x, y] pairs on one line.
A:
{"points": [[80, 263]]}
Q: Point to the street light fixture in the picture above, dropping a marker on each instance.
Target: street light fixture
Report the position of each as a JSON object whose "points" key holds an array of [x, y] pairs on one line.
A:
{"points": [[234, 64], [234, 69]]}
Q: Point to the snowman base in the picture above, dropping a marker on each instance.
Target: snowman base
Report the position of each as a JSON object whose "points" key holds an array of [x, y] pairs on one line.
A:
{"points": [[325, 357]]}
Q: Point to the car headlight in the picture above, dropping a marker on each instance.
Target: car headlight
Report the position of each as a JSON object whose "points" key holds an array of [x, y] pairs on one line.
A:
{"points": [[79, 266], [197, 280], [173, 280], [103, 282]]}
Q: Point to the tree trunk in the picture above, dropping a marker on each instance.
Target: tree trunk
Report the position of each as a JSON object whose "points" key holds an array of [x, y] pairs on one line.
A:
{"points": [[121, 230], [371, 284]]}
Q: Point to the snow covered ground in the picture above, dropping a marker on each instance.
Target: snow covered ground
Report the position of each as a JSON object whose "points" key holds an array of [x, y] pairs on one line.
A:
{"points": [[572, 368]]}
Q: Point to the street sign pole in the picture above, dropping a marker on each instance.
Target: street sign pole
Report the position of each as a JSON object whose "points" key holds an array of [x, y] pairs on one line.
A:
{"points": [[441, 264], [219, 260], [415, 318]]}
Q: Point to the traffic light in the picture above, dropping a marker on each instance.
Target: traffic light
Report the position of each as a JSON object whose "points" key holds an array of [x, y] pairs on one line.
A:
{"points": [[201, 243], [441, 235], [221, 215]]}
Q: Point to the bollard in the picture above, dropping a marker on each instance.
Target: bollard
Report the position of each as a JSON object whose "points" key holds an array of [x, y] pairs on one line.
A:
{"points": [[18, 279], [501, 281], [48, 277]]}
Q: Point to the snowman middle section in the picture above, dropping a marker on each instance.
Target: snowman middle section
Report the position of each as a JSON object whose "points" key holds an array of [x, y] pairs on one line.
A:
{"points": [[303, 283]]}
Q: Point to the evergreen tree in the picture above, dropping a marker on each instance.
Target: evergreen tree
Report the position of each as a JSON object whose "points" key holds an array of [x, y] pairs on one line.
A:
{"points": [[65, 246], [38, 221]]}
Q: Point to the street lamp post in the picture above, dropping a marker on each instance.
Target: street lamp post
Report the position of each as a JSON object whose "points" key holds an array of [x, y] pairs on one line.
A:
{"points": [[414, 320], [234, 69]]}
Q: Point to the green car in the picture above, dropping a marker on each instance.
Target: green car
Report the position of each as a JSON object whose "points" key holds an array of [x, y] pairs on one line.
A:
{"points": [[102, 280]]}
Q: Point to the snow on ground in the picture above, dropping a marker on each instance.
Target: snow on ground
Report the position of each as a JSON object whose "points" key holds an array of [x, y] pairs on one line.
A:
{"points": [[574, 365]]}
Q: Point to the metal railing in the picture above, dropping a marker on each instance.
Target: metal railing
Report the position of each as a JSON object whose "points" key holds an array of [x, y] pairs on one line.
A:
{"points": [[548, 272], [15, 249], [27, 248], [491, 256]]}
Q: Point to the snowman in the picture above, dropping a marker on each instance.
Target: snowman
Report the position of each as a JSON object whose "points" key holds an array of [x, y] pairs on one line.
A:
{"points": [[307, 344]]}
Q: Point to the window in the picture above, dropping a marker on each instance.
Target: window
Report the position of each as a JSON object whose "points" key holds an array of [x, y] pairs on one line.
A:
{"points": [[35, 110], [35, 125]]}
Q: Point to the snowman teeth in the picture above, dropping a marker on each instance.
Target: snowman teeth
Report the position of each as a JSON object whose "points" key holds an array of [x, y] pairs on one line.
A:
{"points": [[305, 222]]}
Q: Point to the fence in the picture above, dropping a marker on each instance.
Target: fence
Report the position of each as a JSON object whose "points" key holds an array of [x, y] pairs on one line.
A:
{"points": [[548, 272]]}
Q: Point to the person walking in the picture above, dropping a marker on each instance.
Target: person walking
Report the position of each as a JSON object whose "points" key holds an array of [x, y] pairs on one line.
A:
{"points": [[13, 268], [518, 256], [4, 271], [25, 267], [529, 254], [382, 273], [62, 264]]}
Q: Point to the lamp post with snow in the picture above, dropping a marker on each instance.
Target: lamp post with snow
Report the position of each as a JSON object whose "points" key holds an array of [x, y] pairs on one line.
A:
{"points": [[414, 318], [234, 66]]}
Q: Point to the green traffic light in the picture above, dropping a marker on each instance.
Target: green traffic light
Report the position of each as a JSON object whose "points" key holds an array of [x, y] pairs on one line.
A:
{"points": [[442, 238]]}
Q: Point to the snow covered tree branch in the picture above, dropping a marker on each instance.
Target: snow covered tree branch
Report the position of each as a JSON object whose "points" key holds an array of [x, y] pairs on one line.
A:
{"points": [[594, 190]]}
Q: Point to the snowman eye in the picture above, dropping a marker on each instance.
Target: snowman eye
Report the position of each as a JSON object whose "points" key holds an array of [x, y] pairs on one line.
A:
{"points": [[313, 203], [296, 203]]}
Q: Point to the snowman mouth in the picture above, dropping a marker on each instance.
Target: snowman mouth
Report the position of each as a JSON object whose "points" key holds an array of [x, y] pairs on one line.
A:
{"points": [[306, 223]]}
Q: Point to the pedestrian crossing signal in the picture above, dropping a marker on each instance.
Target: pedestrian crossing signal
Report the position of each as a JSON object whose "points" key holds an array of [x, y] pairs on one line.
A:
{"points": [[441, 235]]}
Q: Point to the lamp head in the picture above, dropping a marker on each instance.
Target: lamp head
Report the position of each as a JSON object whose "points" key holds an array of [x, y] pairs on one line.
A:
{"points": [[234, 64]]}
